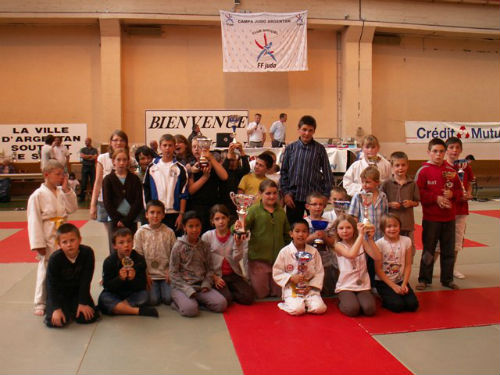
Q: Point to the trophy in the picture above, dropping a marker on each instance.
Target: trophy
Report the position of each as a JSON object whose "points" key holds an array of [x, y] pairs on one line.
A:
{"points": [[367, 200], [341, 207], [204, 144], [233, 120], [373, 160], [448, 178], [318, 243], [303, 257], [127, 262], [242, 203], [462, 163]]}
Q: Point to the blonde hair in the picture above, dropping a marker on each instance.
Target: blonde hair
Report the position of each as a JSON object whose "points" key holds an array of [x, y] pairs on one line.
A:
{"points": [[51, 165]]}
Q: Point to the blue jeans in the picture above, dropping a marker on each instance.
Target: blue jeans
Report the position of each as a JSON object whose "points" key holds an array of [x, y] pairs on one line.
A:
{"points": [[108, 300], [160, 292]]}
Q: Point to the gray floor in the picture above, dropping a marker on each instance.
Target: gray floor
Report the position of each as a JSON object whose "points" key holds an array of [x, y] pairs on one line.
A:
{"points": [[202, 345]]}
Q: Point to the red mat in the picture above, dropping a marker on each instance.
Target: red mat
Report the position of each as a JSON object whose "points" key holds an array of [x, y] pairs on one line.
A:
{"points": [[16, 248], [418, 239], [492, 213], [440, 310], [269, 341]]}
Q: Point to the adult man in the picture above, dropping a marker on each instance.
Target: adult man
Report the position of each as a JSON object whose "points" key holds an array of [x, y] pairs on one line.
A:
{"points": [[305, 169], [278, 131], [256, 132], [88, 154]]}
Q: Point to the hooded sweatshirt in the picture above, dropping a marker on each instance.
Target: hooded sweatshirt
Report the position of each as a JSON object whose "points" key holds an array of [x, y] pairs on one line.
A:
{"points": [[190, 266], [431, 184]]}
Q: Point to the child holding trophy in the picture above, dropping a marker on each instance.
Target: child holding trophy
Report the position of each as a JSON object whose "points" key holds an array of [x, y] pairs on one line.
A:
{"points": [[368, 206], [439, 189], [299, 271], [353, 286], [124, 279], [269, 229], [227, 251]]}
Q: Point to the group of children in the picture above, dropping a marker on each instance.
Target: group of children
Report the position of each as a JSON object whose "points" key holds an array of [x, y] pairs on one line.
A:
{"points": [[175, 258]]}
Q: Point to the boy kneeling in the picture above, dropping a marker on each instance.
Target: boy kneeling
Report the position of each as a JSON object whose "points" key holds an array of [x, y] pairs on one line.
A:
{"points": [[69, 273]]}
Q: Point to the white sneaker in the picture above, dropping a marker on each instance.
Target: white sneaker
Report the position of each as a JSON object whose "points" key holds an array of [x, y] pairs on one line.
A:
{"points": [[458, 274]]}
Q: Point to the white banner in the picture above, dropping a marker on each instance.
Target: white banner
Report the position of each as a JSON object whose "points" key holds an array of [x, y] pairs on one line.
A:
{"points": [[264, 42], [211, 122], [23, 142], [468, 132]]}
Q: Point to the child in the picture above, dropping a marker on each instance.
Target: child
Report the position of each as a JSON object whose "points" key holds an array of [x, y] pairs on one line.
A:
{"points": [[227, 251], [69, 273], [269, 230], [236, 167], [353, 286], [124, 279], [316, 203], [154, 241], [438, 195], [144, 156], [289, 274], [167, 180], [104, 166], [122, 193], [370, 157], [453, 151], [305, 168], [249, 184], [338, 193], [73, 182], [60, 152], [370, 180], [48, 208], [394, 267], [205, 184], [191, 271], [402, 194]]}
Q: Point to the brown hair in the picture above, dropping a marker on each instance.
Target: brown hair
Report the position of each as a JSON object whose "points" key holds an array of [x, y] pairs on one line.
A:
{"points": [[370, 140], [370, 172], [350, 219], [385, 218]]}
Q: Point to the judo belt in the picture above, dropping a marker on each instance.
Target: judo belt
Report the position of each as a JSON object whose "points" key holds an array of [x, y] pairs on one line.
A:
{"points": [[57, 220]]}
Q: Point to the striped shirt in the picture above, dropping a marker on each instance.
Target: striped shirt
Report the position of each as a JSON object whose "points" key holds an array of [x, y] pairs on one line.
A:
{"points": [[305, 169], [375, 212]]}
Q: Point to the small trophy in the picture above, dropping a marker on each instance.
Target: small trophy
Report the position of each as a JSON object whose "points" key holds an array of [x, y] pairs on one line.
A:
{"points": [[242, 203], [448, 178], [127, 262], [373, 160], [204, 144], [303, 257], [461, 173], [367, 200], [233, 120], [318, 243], [341, 207]]}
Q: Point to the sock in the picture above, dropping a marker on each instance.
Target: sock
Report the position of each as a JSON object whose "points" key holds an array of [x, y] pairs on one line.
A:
{"points": [[148, 311]]}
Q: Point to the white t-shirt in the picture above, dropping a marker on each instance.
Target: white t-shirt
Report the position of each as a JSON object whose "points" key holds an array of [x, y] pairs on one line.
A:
{"points": [[393, 257], [353, 272], [258, 134], [60, 154], [278, 130]]}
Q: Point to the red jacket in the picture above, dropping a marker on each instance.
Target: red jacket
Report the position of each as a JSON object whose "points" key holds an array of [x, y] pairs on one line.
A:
{"points": [[431, 183]]}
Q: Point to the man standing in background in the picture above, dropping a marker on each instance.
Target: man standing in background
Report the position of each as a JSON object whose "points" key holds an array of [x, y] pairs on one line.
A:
{"points": [[278, 131], [88, 154], [256, 132]]}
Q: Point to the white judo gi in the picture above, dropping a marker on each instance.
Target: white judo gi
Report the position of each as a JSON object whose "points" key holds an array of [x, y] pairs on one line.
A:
{"points": [[46, 212], [285, 266]]}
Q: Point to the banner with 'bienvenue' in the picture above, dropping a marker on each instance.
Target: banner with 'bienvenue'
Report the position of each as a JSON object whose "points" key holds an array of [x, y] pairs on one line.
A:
{"points": [[264, 42]]}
